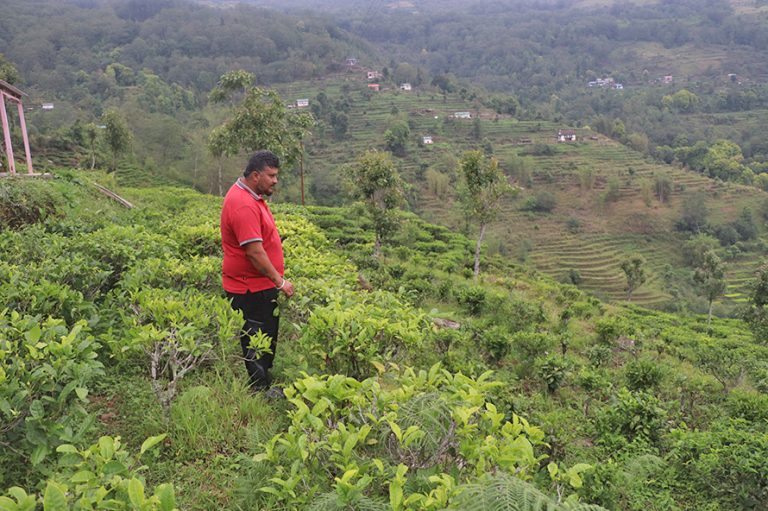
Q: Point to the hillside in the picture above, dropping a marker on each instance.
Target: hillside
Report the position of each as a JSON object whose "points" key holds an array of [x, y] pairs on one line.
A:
{"points": [[627, 407], [606, 206]]}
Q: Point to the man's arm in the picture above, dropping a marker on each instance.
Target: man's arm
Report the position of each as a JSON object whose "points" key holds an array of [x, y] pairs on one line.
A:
{"points": [[255, 253]]}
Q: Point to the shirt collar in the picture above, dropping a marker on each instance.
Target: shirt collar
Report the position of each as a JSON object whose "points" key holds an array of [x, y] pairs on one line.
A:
{"points": [[241, 184]]}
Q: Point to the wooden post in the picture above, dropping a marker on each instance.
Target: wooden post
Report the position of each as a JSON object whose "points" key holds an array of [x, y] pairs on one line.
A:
{"points": [[7, 134], [24, 135]]}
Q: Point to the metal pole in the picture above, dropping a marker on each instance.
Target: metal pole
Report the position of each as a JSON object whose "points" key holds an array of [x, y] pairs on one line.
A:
{"points": [[23, 124], [7, 134]]}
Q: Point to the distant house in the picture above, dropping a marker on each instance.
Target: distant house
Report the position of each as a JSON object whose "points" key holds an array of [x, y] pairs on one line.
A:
{"points": [[374, 87], [462, 115], [405, 86], [566, 136], [302, 103], [618, 86], [351, 61], [668, 79], [373, 75], [427, 139], [47, 106]]}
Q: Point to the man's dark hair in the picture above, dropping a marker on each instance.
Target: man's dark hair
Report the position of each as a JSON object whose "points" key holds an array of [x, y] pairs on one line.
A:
{"points": [[261, 160]]}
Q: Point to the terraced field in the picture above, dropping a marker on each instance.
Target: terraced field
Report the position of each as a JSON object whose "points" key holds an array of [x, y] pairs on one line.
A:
{"points": [[609, 229]]}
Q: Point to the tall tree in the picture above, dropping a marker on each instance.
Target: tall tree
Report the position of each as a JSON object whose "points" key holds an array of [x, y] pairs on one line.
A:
{"points": [[396, 137], [377, 182], [260, 120], [710, 277], [634, 270], [117, 135], [483, 187]]}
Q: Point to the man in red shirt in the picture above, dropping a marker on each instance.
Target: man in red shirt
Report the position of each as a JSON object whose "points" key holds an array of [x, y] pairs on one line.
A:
{"points": [[253, 267]]}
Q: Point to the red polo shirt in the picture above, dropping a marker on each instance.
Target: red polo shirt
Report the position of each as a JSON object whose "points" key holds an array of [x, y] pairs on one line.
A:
{"points": [[245, 218]]}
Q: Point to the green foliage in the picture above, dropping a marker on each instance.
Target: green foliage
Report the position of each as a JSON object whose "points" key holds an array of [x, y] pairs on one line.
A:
{"points": [[634, 271], [471, 298], [756, 313], [483, 187], [634, 415], [396, 137], [177, 331], [261, 120], [553, 370], [102, 476], [117, 135], [377, 182], [726, 465], [710, 277], [46, 370], [366, 439], [353, 334], [543, 201], [499, 492], [643, 374]]}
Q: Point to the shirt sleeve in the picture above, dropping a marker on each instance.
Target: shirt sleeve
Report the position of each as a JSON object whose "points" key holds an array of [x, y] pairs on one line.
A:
{"points": [[246, 224]]}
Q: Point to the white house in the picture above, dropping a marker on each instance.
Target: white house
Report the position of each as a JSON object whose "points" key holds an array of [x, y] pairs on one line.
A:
{"points": [[47, 106], [302, 103], [566, 136], [373, 75], [405, 86], [462, 115], [427, 139]]}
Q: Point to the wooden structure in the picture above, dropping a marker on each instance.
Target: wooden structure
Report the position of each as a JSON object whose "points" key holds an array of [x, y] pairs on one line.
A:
{"points": [[10, 94]]}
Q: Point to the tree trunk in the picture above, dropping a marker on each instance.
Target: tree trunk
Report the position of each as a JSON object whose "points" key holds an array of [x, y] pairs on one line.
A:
{"points": [[221, 193], [709, 315], [477, 250], [377, 246], [301, 172]]}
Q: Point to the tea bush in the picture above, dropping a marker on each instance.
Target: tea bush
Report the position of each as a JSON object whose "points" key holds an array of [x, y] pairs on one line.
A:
{"points": [[46, 369]]}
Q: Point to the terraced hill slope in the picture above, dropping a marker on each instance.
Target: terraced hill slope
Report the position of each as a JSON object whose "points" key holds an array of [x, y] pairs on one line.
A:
{"points": [[606, 207]]}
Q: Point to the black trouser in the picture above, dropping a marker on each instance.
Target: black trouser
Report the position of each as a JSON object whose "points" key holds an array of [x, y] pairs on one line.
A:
{"points": [[259, 314]]}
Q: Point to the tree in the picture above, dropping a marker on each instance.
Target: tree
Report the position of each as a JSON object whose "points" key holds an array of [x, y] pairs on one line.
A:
{"points": [[396, 137], [260, 121], [376, 181], [483, 187], [634, 270], [8, 72], [710, 277], [117, 135], [91, 135], [694, 215], [756, 314]]}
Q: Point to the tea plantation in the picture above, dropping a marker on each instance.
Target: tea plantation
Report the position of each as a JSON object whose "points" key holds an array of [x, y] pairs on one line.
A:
{"points": [[409, 385]]}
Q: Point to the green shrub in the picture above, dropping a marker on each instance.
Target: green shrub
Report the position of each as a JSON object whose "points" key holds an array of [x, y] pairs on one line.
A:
{"points": [[643, 374], [103, 476], [748, 405], [353, 332], [553, 370], [599, 355], [46, 369], [727, 465], [471, 298], [634, 415]]}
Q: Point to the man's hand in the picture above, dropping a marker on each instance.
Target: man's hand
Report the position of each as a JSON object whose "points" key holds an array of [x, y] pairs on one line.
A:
{"points": [[287, 288]]}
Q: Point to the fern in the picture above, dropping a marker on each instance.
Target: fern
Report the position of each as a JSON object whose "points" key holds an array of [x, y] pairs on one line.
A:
{"points": [[432, 414], [330, 501], [503, 492]]}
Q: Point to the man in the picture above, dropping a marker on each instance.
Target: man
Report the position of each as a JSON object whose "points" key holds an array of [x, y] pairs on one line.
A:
{"points": [[253, 267]]}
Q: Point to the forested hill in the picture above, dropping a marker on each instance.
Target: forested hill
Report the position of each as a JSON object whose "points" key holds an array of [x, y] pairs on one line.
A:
{"points": [[68, 47], [534, 48]]}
